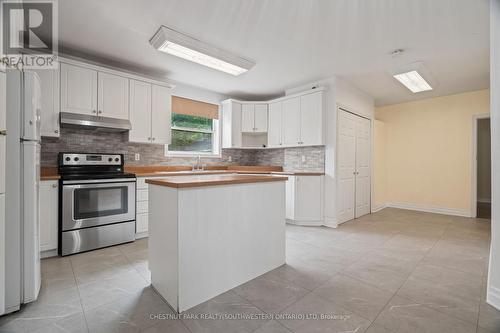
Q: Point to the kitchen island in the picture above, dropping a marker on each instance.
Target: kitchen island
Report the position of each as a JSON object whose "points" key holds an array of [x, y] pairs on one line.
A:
{"points": [[211, 233]]}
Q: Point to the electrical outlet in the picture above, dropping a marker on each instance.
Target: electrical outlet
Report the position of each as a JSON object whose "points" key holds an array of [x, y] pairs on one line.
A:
{"points": [[303, 158], [137, 157]]}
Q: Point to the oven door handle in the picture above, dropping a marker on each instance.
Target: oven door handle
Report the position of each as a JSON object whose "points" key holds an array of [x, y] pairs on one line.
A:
{"points": [[99, 181]]}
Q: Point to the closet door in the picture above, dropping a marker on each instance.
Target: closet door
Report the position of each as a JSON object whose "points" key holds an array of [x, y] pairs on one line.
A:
{"points": [[346, 155], [363, 139]]}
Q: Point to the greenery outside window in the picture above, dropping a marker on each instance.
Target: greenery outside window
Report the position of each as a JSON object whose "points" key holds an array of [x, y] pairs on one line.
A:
{"points": [[193, 133]]}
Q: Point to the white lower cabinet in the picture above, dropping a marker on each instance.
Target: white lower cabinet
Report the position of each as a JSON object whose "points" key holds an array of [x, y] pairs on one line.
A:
{"points": [[304, 200], [49, 206]]}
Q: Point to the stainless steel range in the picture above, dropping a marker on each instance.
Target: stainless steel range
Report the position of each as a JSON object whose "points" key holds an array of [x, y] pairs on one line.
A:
{"points": [[96, 202]]}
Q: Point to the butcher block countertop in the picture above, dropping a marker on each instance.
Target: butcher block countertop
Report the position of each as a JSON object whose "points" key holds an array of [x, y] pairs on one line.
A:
{"points": [[50, 173], [212, 180]]}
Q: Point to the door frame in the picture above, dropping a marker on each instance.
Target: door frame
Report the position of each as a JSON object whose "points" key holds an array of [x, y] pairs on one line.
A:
{"points": [[473, 161], [344, 108]]}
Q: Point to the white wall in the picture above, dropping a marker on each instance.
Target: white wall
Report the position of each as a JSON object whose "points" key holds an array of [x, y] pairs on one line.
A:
{"points": [[493, 293], [199, 94]]}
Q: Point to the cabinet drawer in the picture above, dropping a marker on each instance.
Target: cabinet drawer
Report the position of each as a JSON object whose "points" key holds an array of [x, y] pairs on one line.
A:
{"points": [[141, 183], [141, 223], [142, 207], [142, 195]]}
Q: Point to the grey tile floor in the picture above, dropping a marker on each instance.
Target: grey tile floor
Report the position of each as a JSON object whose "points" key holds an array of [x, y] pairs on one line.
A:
{"points": [[393, 271]]}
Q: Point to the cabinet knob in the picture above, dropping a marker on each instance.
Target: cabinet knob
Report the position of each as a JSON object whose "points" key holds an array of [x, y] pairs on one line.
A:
{"points": [[94, 111], [100, 111], [56, 131], [154, 139], [149, 139]]}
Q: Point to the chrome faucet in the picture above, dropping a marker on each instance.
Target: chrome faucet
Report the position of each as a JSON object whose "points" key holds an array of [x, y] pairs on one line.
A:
{"points": [[197, 166]]}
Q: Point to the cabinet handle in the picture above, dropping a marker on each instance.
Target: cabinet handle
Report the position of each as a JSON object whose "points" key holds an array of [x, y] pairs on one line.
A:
{"points": [[149, 139], [94, 111], [56, 131], [100, 111], [154, 139]]}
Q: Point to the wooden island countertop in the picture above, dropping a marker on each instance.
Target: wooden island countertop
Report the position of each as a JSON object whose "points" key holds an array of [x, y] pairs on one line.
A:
{"points": [[212, 180]]}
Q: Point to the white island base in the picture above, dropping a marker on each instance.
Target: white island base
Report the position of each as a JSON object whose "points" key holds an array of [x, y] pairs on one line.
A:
{"points": [[206, 240]]}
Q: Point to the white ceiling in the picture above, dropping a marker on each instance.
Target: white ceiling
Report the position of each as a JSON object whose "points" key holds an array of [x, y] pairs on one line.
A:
{"points": [[292, 41]]}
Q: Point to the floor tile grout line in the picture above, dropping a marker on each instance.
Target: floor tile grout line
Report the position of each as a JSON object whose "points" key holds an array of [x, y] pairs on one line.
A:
{"points": [[79, 296]]}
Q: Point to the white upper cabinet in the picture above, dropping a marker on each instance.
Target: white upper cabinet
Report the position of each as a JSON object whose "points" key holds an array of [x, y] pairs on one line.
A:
{"points": [[247, 117], [140, 111], [161, 114], [260, 118], [254, 118], [291, 122], [311, 119], [49, 80], [274, 126], [112, 96], [231, 124], [150, 113], [78, 89]]}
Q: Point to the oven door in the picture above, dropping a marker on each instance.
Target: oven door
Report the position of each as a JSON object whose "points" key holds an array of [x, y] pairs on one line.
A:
{"points": [[97, 202]]}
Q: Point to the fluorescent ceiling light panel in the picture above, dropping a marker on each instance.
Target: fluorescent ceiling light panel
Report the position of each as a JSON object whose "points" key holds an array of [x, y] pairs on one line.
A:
{"points": [[413, 81], [186, 47]]}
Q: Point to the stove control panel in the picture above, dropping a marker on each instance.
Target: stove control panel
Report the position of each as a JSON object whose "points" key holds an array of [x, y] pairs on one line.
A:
{"points": [[90, 159]]}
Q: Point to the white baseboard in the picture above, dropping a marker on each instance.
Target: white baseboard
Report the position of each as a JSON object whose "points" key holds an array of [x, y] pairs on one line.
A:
{"points": [[493, 297], [430, 209], [305, 223], [141, 235], [330, 222], [378, 208], [48, 254]]}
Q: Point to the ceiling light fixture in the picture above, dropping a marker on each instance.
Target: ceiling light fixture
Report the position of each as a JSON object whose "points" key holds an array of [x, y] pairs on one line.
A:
{"points": [[412, 77], [189, 48]]}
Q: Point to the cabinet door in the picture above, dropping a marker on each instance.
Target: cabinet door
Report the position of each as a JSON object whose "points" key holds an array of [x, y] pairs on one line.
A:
{"points": [[49, 80], [308, 198], [140, 111], [274, 126], [161, 115], [291, 121], [311, 119], [113, 96], [78, 89], [48, 215], [231, 124], [248, 118], [260, 116]]}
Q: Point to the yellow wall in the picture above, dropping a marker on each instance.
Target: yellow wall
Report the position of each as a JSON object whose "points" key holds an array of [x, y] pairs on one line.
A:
{"points": [[428, 151], [379, 164]]}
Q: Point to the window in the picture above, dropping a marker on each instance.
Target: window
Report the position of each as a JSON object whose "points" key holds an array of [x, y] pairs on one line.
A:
{"points": [[195, 128]]}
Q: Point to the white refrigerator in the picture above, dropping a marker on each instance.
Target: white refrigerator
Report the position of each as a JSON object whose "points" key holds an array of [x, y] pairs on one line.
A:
{"points": [[21, 255]]}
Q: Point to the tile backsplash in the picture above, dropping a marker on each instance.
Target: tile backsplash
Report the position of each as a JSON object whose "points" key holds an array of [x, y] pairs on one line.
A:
{"points": [[95, 141]]}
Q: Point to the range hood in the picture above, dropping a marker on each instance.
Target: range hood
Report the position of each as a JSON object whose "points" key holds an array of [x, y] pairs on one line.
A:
{"points": [[94, 122]]}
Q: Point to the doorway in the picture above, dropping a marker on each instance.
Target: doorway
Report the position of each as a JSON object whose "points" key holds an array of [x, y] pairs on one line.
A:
{"points": [[482, 169]]}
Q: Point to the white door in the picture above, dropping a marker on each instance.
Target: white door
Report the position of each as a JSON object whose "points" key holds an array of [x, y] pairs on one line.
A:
{"points": [[346, 156], [49, 81], [112, 96], [3, 133], [260, 115], [274, 125], [363, 135], [291, 121], [247, 117], [311, 119], [78, 89], [140, 111], [161, 114], [49, 195]]}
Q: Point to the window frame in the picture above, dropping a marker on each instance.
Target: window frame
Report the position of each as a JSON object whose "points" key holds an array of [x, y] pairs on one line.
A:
{"points": [[216, 141]]}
